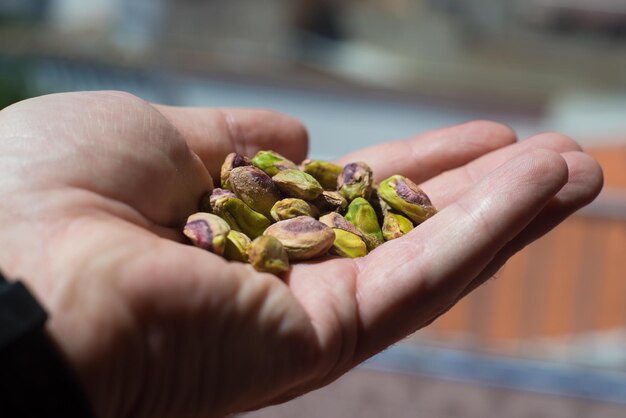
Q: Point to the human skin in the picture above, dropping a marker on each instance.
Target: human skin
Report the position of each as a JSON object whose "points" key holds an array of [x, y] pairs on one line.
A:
{"points": [[96, 186]]}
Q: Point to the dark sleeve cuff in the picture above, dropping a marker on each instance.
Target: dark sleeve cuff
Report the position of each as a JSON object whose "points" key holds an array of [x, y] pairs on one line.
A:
{"points": [[35, 381]]}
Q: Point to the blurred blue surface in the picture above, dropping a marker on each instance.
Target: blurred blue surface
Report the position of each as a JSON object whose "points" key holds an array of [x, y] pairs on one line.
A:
{"points": [[510, 373]]}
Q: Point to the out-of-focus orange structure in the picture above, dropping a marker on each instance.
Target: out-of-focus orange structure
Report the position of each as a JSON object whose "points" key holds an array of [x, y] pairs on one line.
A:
{"points": [[569, 283]]}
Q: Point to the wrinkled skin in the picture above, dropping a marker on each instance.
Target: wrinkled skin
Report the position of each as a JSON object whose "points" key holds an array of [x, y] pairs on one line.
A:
{"points": [[96, 186]]}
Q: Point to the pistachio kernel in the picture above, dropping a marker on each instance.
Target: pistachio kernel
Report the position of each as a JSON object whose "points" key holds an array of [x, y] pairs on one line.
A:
{"points": [[362, 215], [267, 254], [207, 231], [233, 160], [330, 202], [407, 198], [347, 244], [292, 208], [336, 221], [324, 172], [303, 237], [240, 216], [217, 195], [236, 248], [395, 226], [255, 188], [355, 181], [296, 183], [272, 162]]}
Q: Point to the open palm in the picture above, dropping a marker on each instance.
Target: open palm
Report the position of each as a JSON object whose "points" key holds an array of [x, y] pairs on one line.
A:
{"points": [[96, 187]]}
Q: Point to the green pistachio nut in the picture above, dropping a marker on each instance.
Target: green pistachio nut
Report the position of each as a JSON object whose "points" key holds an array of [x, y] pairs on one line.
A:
{"points": [[395, 226], [355, 181], [324, 172], [272, 162], [347, 244], [292, 208], [215, 196], [407, 198], [336, 221], [207, 231], [240, 216], [236, 248], [255, 188], [233, 160], [362, 215], [296, 183], [330, 202], [267, 254], [303, 237]]}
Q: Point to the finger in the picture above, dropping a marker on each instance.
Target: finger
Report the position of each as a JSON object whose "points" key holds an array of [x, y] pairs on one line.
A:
{"points": [[408, 281], [429, 154], [214, 133], [446, 188], [583, 186]]}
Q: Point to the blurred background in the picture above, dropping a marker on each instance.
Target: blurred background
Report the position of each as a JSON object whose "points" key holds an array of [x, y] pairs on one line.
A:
{"points": [[547, 337]]}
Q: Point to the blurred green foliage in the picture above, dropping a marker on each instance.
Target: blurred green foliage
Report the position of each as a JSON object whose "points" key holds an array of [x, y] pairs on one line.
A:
{"points": [[13, 85]]}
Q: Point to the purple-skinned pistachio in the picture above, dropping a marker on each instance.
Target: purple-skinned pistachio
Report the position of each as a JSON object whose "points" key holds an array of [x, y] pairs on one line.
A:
{"points": [[217, 195], [407, 198], [292, 208], [349, 241], [303, 237], [355, 181], [255, 188], [336, 221], [233, 160], [207, 231]]}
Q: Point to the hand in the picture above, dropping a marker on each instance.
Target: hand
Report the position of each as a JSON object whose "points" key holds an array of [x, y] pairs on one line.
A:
{"points": [[96, 186]]}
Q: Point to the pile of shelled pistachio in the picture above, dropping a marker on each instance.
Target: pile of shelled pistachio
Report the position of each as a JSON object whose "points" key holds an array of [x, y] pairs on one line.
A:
{"points": [[269, 211]]}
